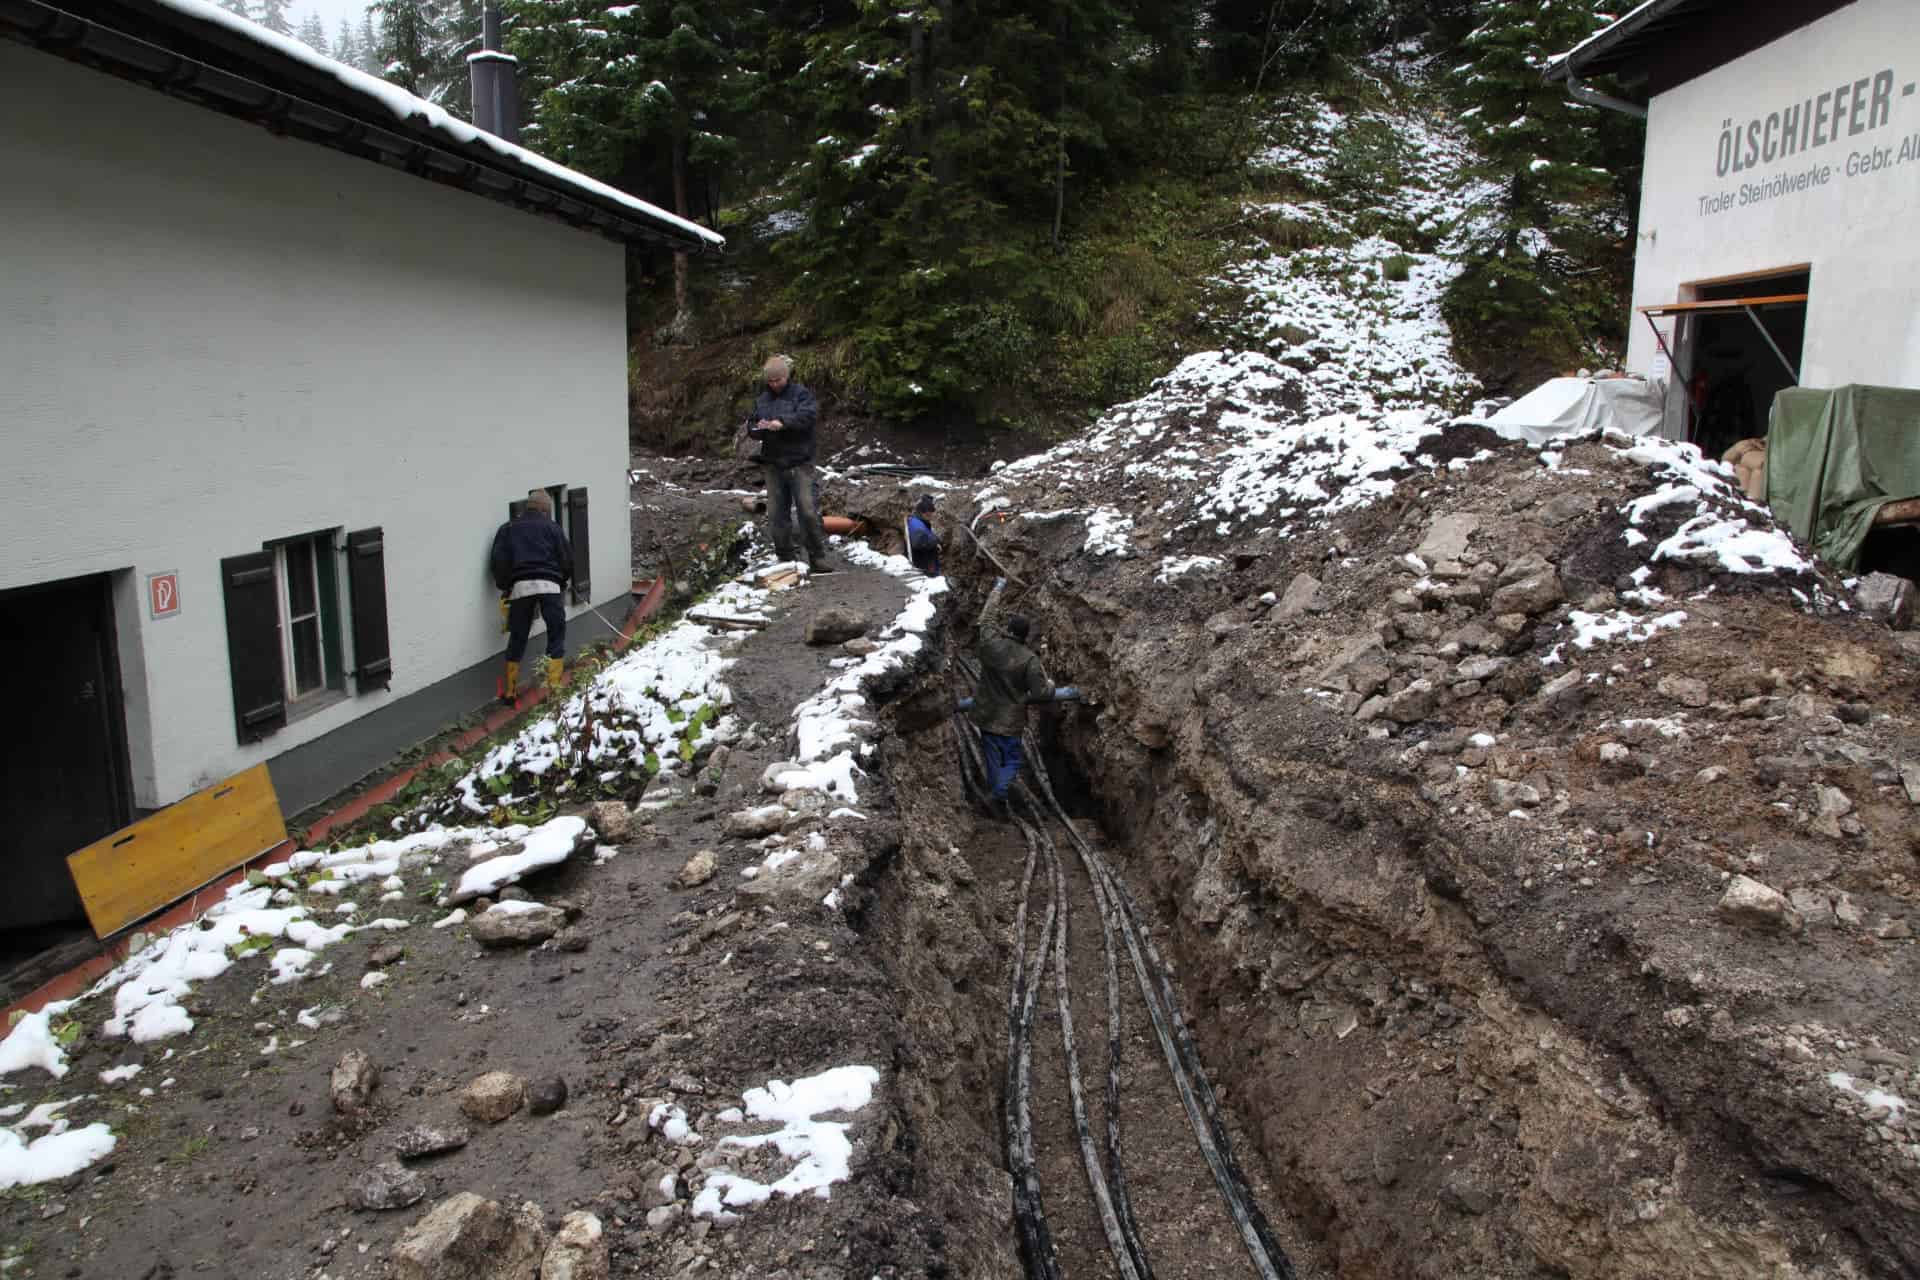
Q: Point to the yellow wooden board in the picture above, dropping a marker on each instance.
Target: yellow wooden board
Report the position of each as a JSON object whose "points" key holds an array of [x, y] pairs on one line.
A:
{"points": [[159, 859]]}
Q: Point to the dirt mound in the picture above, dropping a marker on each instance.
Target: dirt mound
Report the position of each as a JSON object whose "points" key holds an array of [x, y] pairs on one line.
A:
{"points": [[1441, 762]]}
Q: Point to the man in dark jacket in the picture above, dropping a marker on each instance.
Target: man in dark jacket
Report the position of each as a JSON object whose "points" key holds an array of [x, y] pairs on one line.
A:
{"points": [[782, 419], [532, 565], [1010, 677], [923, 544]]}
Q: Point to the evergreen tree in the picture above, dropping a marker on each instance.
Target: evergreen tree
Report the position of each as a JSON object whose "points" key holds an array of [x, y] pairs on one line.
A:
{"points": [[313, 34], [407, 34], [1556, 208], [238, 7], [456, 33], [346, 46], [370, 42], [273, 16]]}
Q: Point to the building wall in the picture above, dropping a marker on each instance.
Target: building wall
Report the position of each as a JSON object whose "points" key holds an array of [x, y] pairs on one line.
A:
{"points": [[1845, 205], [212, 338]]}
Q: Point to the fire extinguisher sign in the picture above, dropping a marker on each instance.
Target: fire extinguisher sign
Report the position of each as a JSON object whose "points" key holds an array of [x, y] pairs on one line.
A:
{"points": [[163, 593]]}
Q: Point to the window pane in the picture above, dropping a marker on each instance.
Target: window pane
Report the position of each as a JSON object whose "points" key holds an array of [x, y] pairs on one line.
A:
{"points": [[300, 596], [306, 656]]}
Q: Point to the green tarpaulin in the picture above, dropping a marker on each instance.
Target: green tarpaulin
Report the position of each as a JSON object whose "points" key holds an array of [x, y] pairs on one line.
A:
{"points": [[1835, 457]]}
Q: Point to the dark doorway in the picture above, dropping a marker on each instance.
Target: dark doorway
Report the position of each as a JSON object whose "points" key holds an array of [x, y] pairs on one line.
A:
{"points": [[67, 760], [1741, 354]]}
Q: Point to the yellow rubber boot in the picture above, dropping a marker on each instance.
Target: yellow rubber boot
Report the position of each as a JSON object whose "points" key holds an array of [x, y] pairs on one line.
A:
{"points": [[555, 668], [510, 686]]}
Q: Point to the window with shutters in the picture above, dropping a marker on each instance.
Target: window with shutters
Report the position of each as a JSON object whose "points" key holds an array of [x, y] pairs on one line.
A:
{"points": [[307, 575]]}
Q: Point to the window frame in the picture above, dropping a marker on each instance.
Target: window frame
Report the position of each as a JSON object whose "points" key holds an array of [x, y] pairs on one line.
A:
{"points": [[325, 575]]}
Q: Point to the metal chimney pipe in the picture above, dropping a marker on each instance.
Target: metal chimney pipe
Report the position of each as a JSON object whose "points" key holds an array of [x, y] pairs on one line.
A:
{"points": [[496, 103]]}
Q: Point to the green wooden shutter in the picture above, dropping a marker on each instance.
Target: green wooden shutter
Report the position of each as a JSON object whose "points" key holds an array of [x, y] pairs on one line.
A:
{"points": [[367, 586], [252, 594]]}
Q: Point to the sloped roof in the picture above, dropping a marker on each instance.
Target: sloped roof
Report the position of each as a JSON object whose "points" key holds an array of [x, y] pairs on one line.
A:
{"points": [[1662, 43], [197, 51]]}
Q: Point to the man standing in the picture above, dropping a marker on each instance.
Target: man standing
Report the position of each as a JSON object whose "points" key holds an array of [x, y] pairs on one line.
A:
{"points": [[923, 544], [532, 565], [1010, 677], [782, 419]]}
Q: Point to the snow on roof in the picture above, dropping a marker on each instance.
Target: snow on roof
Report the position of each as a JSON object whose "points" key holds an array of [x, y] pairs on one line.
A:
{"points": [[405, 107]]}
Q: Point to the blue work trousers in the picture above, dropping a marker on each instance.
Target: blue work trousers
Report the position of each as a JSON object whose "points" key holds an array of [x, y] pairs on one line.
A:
{"points": [[1004, 759], [520, 622]]}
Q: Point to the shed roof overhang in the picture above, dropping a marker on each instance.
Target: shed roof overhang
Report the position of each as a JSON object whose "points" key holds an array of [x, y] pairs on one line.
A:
{"points": [[194, 53], [1664, 43]]}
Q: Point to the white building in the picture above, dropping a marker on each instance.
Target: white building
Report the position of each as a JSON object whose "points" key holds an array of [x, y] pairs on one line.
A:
{"points": [[1781, 189], [278, 346]]}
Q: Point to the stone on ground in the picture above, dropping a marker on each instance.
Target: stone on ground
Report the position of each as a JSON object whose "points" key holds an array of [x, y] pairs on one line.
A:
{"points": [[516, 924], [388, 1185], [353, 1083], [783, 775], [1749, 902], [1301, 596], [418, 1140], [493, 1097], [547, 1096], [468, 1237], [612, 821], [796, 885], [386, 953], [1886, 598], [750, 824], [835, 626], [578, 1251], [1684, 690], [699, 869]]}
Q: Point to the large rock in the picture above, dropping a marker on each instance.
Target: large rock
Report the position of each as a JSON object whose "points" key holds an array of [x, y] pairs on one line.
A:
{"points": [[612, 821], [1508, 795], [1301, 596], [547, 1096], [835, 626], [1685, 690], [1760, 906], [353, 1083], [493, 1097], [1447, 537], [799, 884], [1535, 593], [418, 1140], [388, 1185], [699, 869], [1886, 598], [468, 1237], [516, 924], [578, 1251], [750, 824], [1414, 703]]}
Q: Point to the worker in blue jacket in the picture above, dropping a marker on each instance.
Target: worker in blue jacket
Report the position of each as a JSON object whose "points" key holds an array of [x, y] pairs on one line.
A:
{"points": [[532, 564], [923, 544]]}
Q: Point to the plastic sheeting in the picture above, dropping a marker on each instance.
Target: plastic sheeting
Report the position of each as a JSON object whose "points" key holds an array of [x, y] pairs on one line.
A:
{"points": [[1573, 406], [1835, 457]]}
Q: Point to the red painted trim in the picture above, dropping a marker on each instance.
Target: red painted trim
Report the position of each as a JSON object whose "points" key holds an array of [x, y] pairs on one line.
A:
{"points": [[76, 980]]}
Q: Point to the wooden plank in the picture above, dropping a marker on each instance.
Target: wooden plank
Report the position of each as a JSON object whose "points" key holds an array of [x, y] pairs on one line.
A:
{"points": [[1722, 304], [161, 858], [1905, 511], [729, 621]]}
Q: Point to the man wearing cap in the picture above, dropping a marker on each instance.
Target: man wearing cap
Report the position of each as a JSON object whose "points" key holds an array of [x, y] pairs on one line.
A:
{"points": [[782, 420], [532, 564], [1010, 677], [923, 544]]}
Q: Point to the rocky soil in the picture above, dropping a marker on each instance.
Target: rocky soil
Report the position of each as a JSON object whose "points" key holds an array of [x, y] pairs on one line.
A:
{"points": [[1519, 957]]}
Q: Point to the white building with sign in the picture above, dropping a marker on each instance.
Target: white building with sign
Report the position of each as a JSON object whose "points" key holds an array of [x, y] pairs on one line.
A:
{"points": [[279, 345], [1781, 190]]}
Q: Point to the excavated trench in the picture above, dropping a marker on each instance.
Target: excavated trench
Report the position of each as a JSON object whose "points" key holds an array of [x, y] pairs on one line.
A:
{"points": [[1395, 1062]]}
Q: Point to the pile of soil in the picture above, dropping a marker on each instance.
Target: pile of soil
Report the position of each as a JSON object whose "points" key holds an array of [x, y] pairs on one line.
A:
{"points": [[1463, 908]]}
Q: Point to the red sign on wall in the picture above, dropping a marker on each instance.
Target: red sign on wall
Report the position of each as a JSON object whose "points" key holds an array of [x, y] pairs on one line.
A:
{"points": [[163, 594]]}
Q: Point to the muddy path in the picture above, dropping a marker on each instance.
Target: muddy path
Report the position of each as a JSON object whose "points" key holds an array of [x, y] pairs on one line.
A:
{"points": [[236, 1163]]}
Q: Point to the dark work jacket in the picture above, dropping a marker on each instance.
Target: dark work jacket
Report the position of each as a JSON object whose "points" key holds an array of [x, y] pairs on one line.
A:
{"points": [[531, 546], [923, 546], [1010, 677], [792, 445]]}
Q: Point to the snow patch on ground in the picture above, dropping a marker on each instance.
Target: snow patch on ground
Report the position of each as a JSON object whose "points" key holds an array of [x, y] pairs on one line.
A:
{"points": [[819, 1148]]}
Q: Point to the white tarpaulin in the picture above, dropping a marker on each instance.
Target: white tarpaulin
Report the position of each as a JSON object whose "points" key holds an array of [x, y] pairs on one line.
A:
{"points": [[1575, 406]]}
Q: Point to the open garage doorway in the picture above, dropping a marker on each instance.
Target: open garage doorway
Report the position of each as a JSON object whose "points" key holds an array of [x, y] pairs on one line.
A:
{"points": [[1737, 343]]}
